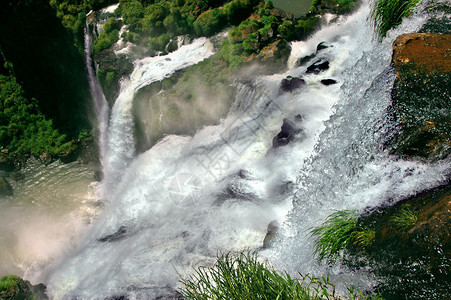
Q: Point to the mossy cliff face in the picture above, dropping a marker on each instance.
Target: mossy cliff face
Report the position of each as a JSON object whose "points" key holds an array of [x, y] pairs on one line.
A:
{"points": [[411, 251], [422, 95]]}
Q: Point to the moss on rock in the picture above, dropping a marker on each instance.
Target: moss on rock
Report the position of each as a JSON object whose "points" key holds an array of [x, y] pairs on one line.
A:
{"points": [[422, 95]]}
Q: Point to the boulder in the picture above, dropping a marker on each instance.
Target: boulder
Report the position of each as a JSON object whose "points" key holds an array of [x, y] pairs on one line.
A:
{"points": [[321, 46], [98, 175], [318, 67], [328, 81], [271, 233], [287, 133], [5, 187], [290, 84], [303, 60]]}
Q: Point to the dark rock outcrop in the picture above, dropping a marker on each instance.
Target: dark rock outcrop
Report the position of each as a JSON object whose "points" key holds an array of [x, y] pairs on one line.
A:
{"points": [[328, 81], [290, 84], [118, 235], [420, 95], [303, 60], [6, 164], [317, 67], [271, 233], [289, 130]]}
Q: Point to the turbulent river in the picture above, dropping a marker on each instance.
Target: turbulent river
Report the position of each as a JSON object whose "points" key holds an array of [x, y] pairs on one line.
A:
{"points": [[188, 198]]}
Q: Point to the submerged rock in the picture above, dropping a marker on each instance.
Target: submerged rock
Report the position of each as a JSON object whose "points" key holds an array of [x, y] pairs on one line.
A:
{"points": [[5, 187], [290, 84]]}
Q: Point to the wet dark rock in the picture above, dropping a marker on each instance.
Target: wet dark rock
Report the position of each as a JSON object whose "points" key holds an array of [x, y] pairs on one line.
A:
{"points": [[271, 233], [17, 176], [98, 175], [298, 118], [6, 164], [318, 67], [289, 130], [303, 60], [70, 155], [421, 96], [233, 191], [118, 235], [5, 187], [291, 83], [321, 46], [45, 158], [328, 81]]}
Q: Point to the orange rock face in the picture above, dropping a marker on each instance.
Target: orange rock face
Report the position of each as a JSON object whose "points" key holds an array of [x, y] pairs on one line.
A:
{"points": [[431, 52]]}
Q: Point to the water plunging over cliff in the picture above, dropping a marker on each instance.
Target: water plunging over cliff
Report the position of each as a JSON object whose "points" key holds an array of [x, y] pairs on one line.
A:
{"points": [[175, 206]]}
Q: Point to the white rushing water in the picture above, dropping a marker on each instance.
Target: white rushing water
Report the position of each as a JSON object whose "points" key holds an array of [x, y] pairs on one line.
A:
{"points": [[177, 205]]}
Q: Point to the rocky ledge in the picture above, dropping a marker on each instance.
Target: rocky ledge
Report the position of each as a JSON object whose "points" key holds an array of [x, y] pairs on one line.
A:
{"points": [[421, 95]]}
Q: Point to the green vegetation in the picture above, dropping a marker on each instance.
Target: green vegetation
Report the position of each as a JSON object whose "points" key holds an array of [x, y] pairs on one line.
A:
{"points": [[109, 36], [339, 231], [13, 287], [23, 128], [404, 219], [154, 23], [73, 15], [8, 282], [389, 13], [242, 276]]}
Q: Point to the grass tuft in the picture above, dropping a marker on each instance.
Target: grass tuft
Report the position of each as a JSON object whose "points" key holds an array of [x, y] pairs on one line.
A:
{"points": [[405, 219], [388, 14], [242, 276], [335, 234], [339, 231]]}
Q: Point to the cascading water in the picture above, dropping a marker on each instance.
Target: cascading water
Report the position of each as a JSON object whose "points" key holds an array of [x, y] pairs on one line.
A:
{"points": [[175, 206], [100, 103]]}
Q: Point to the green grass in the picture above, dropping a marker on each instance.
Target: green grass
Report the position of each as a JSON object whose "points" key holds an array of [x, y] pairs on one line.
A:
{"points": [[404, 219], [242, 276], [335, 234], [339, 231], [388, 14]]}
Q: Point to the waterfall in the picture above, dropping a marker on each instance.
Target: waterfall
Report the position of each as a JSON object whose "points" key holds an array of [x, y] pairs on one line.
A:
{"points": [[177, 205], [100, 103]]}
